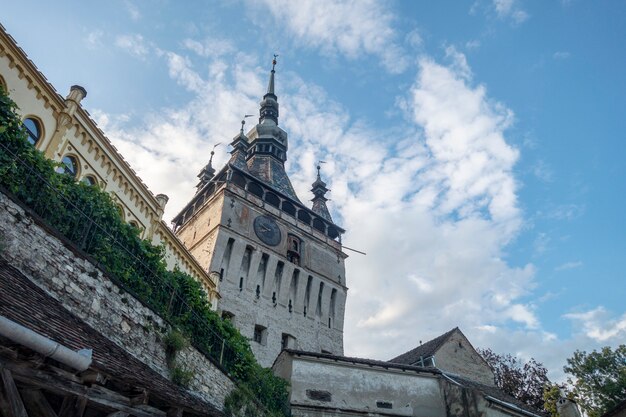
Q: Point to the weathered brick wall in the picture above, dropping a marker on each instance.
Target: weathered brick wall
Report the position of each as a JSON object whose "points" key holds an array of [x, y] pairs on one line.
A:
{"points": [[55, 266]]}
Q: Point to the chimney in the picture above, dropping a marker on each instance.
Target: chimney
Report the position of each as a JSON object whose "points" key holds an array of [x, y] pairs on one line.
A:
{"points": [[567, 408], [162, 199], [77, 93]]}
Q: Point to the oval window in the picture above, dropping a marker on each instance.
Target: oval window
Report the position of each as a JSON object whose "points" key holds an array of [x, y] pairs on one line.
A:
{"points": [[33, 130]]}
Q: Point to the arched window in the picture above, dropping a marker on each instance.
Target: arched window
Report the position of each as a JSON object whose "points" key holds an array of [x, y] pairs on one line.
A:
{"points": [[89, 180], [33, 130], [319, 225], [294, 249], [304, 217], [3, 85], [134, 224], [332, 232], [289, 208], [69, 166], [272, 199], [255, 189], [238, 179]]}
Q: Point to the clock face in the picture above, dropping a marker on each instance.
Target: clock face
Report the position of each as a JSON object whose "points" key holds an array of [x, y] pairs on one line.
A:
{"points": [[267, 230]]}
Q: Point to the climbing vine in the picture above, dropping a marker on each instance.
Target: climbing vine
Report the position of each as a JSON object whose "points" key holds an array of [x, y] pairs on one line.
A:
{"points": [[89, 218]]}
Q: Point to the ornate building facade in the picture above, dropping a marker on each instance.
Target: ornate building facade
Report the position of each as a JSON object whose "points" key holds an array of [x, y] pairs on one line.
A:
{"points": [[280, 263], [65, 132]]}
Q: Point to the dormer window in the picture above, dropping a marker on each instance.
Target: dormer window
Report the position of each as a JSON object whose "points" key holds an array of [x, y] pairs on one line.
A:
{"points": [[294, 249]]}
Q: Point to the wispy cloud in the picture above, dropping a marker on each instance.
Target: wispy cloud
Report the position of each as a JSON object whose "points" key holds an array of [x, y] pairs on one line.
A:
{"points": [[569, 265], [598, 325], [93, 40], [351, 28], [132, 9], [561, 55], [210, 47], [510, 10], [542, 171], [134, 44], [562, 212]]}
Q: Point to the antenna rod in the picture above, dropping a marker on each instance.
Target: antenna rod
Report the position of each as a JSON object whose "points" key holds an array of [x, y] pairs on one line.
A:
{"points": [[354, 250]]}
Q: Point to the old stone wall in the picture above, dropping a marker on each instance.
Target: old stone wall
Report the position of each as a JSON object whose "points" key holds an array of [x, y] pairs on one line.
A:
{"points": [[459, 357], [58, 268]]}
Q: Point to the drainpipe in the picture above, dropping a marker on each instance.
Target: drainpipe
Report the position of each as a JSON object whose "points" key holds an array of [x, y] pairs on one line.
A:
{"points": [[79, 361], [505, 404]]}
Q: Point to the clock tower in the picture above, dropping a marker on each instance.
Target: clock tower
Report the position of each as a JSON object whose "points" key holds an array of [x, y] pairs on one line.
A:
{"points": [[279, 262]]}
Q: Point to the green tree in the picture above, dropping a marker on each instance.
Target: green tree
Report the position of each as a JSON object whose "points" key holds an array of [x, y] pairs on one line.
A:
{"points": [[522, 380], [598, 379], [552, 393]]}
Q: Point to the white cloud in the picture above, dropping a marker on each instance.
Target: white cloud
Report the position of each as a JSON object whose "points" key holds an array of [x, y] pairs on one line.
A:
{"points": [[569, 265], [134, 44], [434, 207], [210, 47], [562, 212], [133, 10], [473, 44], [510, 9], [93, 40], [352, 28], [599, 326], [560, 55], [542, 171]]}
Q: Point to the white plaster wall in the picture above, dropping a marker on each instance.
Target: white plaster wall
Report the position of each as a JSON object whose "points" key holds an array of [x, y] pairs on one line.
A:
{"points": [[357, 388]]}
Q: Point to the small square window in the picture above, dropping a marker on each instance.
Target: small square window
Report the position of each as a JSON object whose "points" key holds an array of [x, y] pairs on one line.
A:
{"points": [[260, 334], [288, 341]]}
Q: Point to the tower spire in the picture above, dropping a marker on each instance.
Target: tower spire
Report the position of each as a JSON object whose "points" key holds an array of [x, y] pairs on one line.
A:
{"points": [[319, 199], [269, 106], [207, 173]]}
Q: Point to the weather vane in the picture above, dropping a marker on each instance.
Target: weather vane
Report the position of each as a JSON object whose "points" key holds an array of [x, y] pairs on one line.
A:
{"points": [[274, 61], [319, 163], [215, 146], [243, 121]]}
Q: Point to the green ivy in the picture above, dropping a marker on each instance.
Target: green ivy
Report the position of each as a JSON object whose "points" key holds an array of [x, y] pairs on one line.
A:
{"points": [[89, 217]]}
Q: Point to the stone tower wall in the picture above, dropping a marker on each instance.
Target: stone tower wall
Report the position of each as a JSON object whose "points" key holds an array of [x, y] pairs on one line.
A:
{"points": [[230, 247]]}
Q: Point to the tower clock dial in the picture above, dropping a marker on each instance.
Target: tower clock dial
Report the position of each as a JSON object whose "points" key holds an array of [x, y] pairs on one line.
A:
{"points": [[267, 230]]}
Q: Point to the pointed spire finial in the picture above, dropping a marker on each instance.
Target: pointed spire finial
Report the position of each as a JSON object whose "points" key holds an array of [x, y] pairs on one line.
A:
{"points": [[269, 105], [207, 173], [319, 163], [319, 195]]}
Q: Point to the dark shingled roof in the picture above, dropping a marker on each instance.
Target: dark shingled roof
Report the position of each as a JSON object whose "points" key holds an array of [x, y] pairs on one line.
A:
{"points": [[23, 302], [362, 361], [424, 351], [496, 393], [272, 173]]}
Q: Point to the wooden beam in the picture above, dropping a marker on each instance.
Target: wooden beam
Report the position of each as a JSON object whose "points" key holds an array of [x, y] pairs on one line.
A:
{"points": [[141, 398], [175, 412], [16, 406], [73, 406], [5, 408], [36, 403], [56, 383]]}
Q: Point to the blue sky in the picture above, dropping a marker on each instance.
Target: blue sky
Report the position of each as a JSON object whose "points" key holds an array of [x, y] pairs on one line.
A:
{"points": [[474, 149]]}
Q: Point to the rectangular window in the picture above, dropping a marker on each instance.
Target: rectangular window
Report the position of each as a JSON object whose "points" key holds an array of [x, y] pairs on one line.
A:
{"points": [[260, 334], [288, 341]]}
